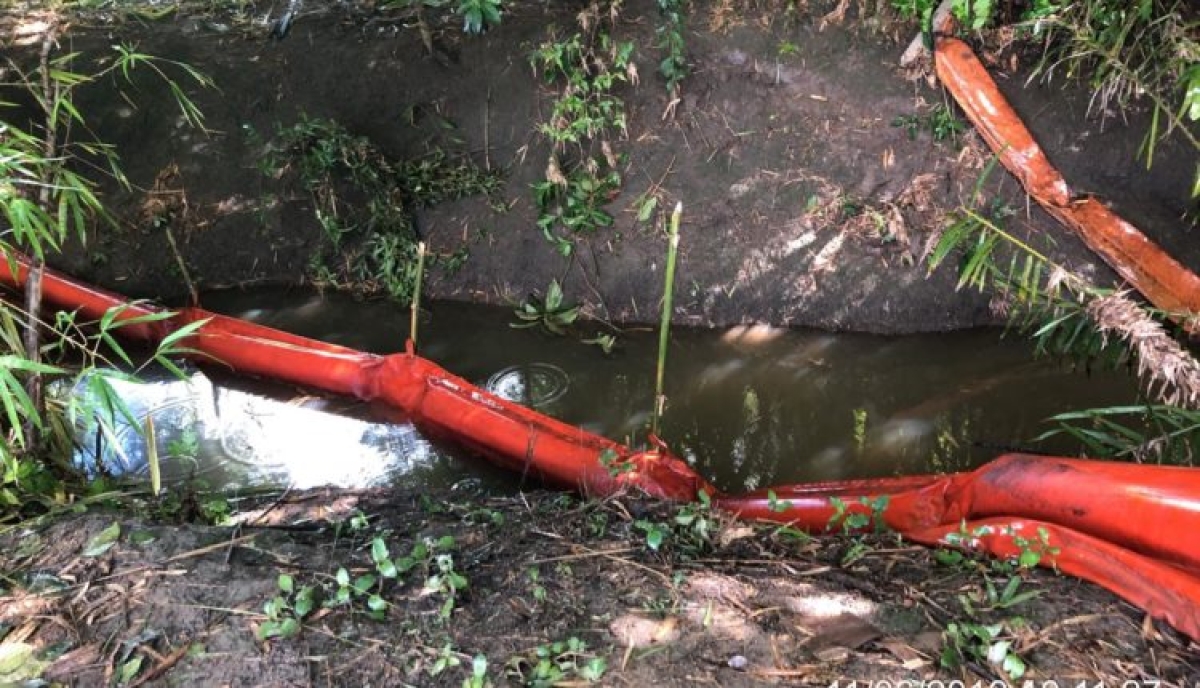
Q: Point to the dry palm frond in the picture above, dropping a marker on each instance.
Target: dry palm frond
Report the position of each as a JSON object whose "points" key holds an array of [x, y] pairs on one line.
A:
{"points": [[1167, 369]]}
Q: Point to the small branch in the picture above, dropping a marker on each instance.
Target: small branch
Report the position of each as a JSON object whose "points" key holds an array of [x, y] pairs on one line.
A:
{"points": [[183, 269], [33, 280]]}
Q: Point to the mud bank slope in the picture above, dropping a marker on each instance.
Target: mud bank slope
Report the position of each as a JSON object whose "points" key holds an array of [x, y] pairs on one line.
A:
{"points": [[805, 203]]}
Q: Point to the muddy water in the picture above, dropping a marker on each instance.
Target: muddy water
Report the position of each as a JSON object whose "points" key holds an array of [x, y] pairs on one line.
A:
{"points": [[749, 407]]}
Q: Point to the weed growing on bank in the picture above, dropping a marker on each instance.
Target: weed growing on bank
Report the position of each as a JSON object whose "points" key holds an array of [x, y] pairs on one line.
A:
{"points": [[364, 203], [585, 69], [429, 561]]}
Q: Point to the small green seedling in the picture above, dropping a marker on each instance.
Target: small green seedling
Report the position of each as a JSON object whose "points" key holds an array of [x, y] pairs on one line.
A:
{"points": [[286, 611]]}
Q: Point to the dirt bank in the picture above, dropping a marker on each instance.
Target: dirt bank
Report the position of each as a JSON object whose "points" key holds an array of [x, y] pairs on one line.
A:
{"points": [[718, 603], [809, 172]]}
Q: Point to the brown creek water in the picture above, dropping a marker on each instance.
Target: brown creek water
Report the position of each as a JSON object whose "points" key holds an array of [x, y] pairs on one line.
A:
{"points": [[748, 406]]}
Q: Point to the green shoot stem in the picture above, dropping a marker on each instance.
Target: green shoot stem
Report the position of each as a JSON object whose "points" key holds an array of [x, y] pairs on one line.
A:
{"points": [[152, 457], [415, 307], [660, 400]]}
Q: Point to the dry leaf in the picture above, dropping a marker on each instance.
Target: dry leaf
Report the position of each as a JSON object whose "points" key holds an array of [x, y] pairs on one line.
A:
{"points": [[635, 631]]}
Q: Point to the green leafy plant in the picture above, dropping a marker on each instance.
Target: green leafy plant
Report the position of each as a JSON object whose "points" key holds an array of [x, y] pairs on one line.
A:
{"points": [[855, 517], [446, 659], [45, 200], [1142, 432], [974, 14], [611, 461], [478, 677], [367, 587], [965, 641], [1068, 317], [1034, 550], [364, 202], [944, 124], [447, 582], [587, 68], [674, 66], [479, 15], [941, 123], [776, 505], [552, 314], [536, 588], [991, 598], [589, 71], [1128, 52], [656, 533], [287, 610], [1031, 551], [432, 558], [690, 531], [556, 663], [577, 205]]}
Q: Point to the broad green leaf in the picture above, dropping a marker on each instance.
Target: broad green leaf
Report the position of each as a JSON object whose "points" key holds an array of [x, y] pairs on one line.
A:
{"points": [[376, 603], [364, 583], [387, 568], [379, 550], [647, 208], [129, 669], [554, 296], [103, 541], [142, 537], [19, 663]]}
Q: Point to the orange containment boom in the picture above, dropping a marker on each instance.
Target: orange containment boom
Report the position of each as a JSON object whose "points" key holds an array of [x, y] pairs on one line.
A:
{"points": [[1133, 529], [1156, 275]]}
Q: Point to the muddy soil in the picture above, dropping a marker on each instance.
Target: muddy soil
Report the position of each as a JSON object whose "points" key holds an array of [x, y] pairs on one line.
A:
{"points": [[804, 203], [167, 604]]}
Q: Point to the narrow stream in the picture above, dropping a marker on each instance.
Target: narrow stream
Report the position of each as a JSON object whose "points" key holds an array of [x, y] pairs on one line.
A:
{"points": [[749, 407]]}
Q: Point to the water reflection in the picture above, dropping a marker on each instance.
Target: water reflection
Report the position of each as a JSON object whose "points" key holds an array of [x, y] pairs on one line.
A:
{"points": [[226, 437], [749, 407]]}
